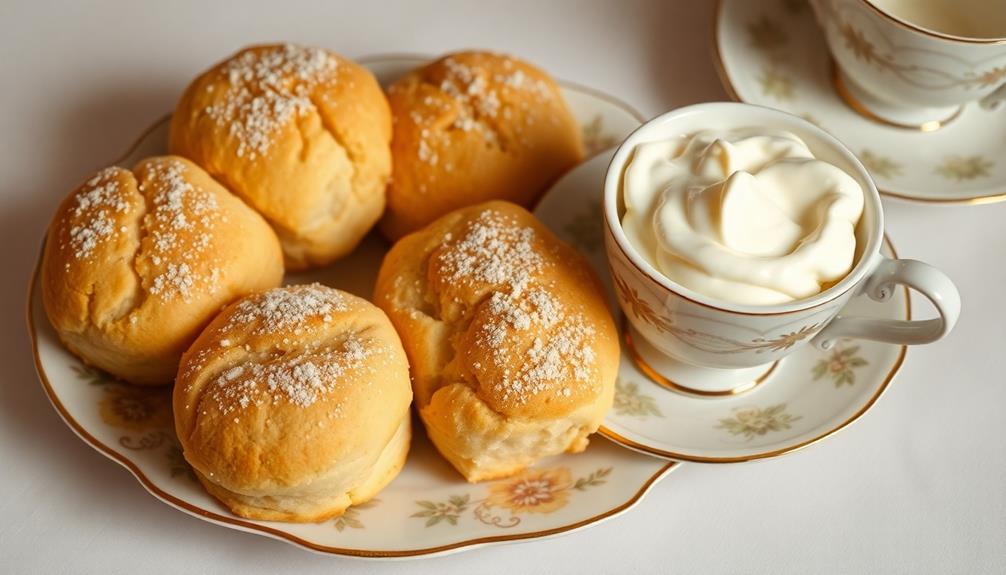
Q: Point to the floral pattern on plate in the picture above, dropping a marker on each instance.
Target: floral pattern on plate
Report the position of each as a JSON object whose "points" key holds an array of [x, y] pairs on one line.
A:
{"points": [[143, 414], [507, 500]]}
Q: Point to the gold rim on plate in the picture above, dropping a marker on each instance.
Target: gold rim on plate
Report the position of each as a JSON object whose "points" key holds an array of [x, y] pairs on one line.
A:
{"points": [[618, 438], [734, 95], [246, 525]]}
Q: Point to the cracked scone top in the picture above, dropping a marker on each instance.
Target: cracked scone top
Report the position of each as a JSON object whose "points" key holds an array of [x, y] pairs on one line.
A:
{"points": [[294, 404], [136, 262], [512, 348], [472, 127], [299, 133]]}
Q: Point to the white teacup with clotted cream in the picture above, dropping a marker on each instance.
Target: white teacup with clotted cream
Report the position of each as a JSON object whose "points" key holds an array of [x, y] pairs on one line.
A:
{"points": [[736, 234]]}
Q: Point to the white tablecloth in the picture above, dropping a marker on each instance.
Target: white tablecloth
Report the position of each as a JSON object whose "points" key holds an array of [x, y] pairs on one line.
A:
{"points": [[917, 486]]}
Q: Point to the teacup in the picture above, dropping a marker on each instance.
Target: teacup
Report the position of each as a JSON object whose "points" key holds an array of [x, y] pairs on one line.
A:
{"points": [[698, 345], [915, 63]]}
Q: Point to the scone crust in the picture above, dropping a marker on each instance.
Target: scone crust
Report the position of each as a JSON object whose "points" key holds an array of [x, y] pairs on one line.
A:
{"points": [[512, 347], [293, 404], [270, 508], [299, 133], [138, 261], [472, 127]]}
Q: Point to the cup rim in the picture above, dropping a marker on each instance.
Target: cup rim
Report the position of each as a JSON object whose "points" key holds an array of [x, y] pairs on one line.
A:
{"points": [[901, 22], [871, 197]]}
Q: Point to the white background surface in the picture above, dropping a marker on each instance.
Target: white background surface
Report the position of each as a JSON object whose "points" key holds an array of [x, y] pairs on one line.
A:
{"points": [[917, 486]]}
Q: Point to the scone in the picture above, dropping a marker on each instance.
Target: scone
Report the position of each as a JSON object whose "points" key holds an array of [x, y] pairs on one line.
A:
{"points": [[294, 404], [472, 127], [512, 347], [137, 262], [299, 133]]}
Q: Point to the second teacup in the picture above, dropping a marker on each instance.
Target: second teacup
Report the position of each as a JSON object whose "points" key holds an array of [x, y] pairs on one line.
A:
{"points": [[914, 64], [700, 345]]}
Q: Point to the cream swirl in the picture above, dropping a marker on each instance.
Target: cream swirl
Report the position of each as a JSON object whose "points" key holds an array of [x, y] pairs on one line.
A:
{"points": [[747, 216]]}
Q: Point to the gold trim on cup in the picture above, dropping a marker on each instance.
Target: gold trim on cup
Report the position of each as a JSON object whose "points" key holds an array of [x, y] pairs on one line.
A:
{"points": [[676, 456], [731, 90], [243, 524], [860, 108], [655, 376], [904, 24]]}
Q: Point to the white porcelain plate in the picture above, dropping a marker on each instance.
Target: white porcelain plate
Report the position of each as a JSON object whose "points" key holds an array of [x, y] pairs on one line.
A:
{"points": [[810, 395], [773, 53], [428, 509]]}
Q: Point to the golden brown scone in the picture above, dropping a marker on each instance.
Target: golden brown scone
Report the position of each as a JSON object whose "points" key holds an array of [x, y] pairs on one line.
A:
{"points": [[299, 133], [472, 127], [294, 404], [137, 262], [513, 350]]}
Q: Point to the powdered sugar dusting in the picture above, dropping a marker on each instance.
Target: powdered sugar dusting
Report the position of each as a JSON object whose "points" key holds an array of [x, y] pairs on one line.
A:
{"points": [[95, 207], [495, 249], [294, 309], [266, 89], [181, 223], [290, 309], [301, 376], [477, 94], [301, 379], [560, 357]]}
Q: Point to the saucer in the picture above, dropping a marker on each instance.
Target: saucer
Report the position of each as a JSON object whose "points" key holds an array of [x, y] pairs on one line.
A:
{"points": [[429, 509], [808, 396], [773, 53]]}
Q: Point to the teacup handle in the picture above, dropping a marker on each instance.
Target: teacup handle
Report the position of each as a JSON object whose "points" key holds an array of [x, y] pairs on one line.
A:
{"points": [[880, 286]]}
